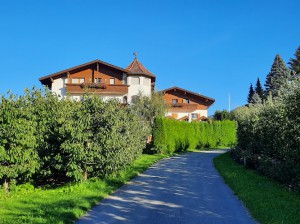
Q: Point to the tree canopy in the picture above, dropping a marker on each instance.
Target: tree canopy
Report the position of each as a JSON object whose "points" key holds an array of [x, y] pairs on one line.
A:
{"points": [[277, 77], [295, 62], [250, 94]]}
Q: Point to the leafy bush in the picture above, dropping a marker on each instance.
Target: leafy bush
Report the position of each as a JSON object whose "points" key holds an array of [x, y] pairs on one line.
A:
{"points": [[47, 139], [171, 135], [268, 136], [18, 157]]}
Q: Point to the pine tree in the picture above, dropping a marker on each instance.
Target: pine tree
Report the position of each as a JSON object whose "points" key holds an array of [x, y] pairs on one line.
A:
{"points": [[250, 94], [295, 62], [256, 99], [277, 77], [258, 89]]}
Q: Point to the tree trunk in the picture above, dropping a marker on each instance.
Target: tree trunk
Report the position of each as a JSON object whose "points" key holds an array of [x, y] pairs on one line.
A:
{"points": [[245, 161], [5, 186], [85, 173]]}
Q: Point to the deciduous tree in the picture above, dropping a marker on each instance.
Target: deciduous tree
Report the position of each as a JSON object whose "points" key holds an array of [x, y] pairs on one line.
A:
{"points": [[18, 158]]}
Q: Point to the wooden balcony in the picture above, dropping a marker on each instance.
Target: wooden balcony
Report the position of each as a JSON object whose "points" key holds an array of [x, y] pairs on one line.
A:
{"points": [[182, 107], [106, 89]]}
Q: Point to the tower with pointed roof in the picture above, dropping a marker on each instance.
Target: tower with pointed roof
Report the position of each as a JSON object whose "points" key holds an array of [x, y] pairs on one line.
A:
{"points": [[139, 79]]}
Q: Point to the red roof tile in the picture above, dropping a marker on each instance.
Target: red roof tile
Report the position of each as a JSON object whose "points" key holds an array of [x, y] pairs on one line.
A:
{"points": [[137, 68]]}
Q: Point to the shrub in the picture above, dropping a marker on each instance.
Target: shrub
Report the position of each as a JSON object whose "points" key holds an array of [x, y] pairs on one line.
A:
{"points": [[171, 135], [268, 136]]}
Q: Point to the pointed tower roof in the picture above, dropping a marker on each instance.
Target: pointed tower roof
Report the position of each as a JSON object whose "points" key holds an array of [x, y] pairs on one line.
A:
{"points": [[137, 68]]}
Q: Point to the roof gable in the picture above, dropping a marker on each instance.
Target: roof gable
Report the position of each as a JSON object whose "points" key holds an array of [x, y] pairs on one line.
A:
{"points": [[171, 90], [46, 79]]}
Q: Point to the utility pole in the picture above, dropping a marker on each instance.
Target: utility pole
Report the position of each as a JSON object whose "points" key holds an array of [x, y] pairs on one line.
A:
{"points": [[229, 103]]}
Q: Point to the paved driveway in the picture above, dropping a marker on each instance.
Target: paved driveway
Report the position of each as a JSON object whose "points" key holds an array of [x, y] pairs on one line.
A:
{"points": [[181, 189]]}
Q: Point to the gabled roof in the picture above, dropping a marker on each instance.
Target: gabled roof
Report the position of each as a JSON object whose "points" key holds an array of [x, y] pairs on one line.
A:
{"points": [[46, 79], [137, 68], [175, 88]]}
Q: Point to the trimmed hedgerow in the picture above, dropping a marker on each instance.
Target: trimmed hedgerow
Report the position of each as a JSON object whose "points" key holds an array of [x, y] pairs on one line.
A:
{"points": [[175, 136], [268, 136]]}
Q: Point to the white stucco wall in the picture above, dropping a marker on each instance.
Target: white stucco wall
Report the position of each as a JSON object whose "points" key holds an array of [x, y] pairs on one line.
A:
{"points": [[110, 97], [58, 87], [104, 97], [201, 112], [189, 114], [143, 87]]}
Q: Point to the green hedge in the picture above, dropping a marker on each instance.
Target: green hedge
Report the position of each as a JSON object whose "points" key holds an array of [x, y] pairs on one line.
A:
{"points": [[268, 137], [171, 135], [44, 139]]}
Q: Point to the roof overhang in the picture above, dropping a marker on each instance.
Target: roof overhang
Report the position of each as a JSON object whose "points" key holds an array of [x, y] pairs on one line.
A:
{"points": [[209, 101], [47, 80]]}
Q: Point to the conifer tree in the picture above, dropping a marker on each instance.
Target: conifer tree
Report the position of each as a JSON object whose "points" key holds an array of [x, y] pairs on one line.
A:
{"points": [[277, 77], [250, 94], [256, 99], [295, 62], [259, 90]]}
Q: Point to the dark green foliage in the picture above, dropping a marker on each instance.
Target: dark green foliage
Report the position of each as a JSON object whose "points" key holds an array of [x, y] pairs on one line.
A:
{"points": [[222, 115], [277, 77], [268, 136], [295, 62], [63, 140], [250, 94], [256, 99], [259, 90], [18, 158], [173, 136]]}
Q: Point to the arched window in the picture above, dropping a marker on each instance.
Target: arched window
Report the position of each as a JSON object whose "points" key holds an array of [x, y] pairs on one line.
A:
{"points": [[125, 99]]}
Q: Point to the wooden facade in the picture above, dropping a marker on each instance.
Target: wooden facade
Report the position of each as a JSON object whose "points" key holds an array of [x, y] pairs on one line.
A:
{"points": [[186, 105]]}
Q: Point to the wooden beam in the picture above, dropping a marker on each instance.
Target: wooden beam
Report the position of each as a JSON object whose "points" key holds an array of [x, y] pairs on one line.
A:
{"points": [[68, 76]]}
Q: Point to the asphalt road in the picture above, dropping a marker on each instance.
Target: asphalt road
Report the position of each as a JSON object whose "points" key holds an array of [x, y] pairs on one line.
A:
{"points": [[181, 189]]}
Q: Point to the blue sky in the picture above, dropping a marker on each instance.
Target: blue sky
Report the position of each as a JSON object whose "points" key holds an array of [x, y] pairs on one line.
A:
{"points": [[209, 47]]}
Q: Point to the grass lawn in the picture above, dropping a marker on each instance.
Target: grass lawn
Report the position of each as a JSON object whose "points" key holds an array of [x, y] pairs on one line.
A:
{"points": [[267, 201], [65, 204]]}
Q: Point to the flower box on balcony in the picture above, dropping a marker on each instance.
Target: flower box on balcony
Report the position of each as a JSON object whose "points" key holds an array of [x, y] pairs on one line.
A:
{"points": [[93, 85], [176, 105]]}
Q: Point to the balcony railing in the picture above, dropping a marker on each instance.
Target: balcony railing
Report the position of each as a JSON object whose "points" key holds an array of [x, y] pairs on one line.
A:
{"points": [[96, 88], [182, 107]]}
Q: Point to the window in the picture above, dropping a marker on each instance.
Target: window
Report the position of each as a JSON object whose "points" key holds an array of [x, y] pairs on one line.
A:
{"points": [[125, 99], [194, 116], [135, 80], [98, 80], [112, 81], [187, 101], [78, 80], [175, 101]]}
